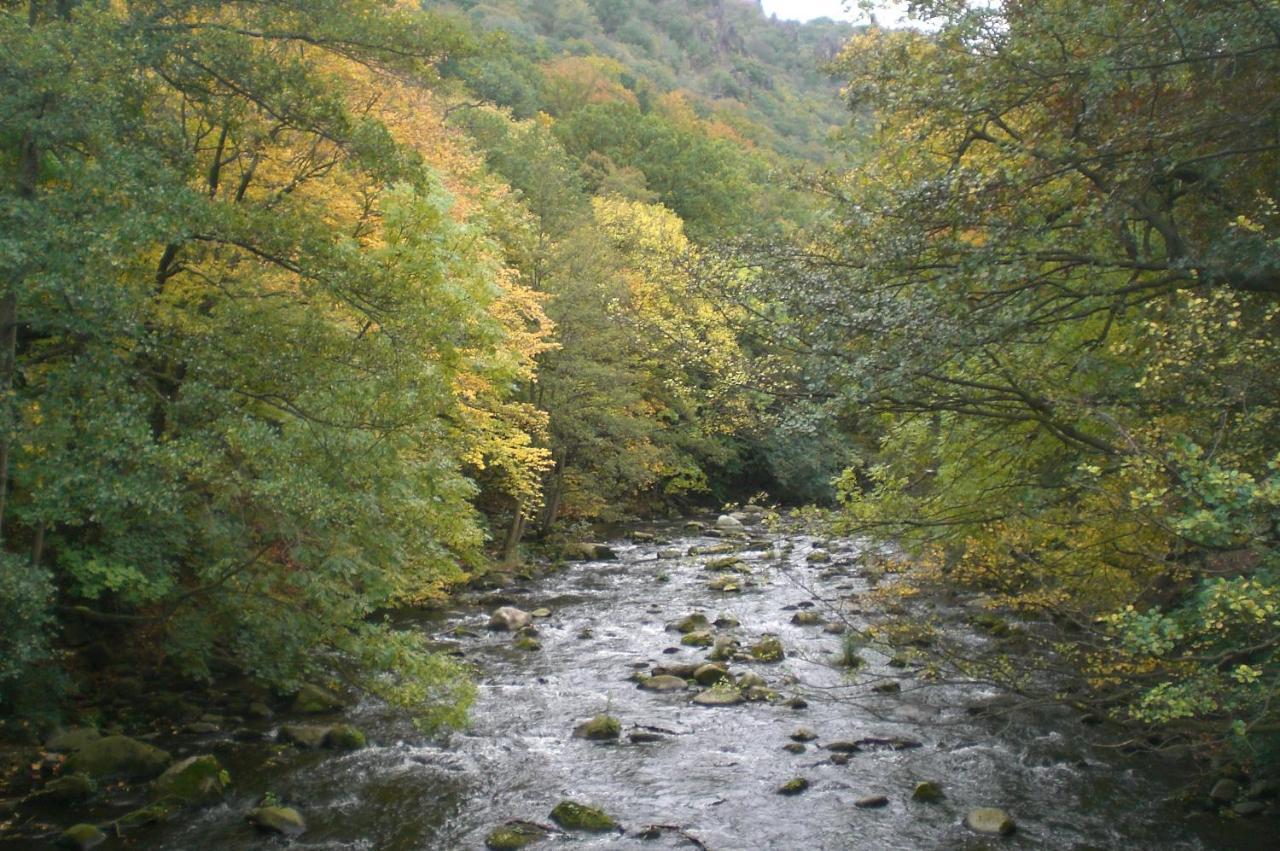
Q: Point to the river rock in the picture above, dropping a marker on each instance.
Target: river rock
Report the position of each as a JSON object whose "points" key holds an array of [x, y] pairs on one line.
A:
{"points": [[818, 557], [157, 812], [601, 728], [1225, 791], [690, 623], [989, 820], [194, 780], [701, 638], [768, 649], [74, 739], [835, 628], [710, 674], [794, 747], [794, 786], [259, 710], [871, 802], [759, 694], [726, 523], [797, 703], [803, 734], [67, 789], [514, 835], [723, 563], [725, 583], [726, 622], [719, 697], [314, 700], [751, 679], [527, 643], [714, 550], [927, 792], [509, 619], [81, 837], [304, 735], [344, 737], [118, 756], [726, 647], [572, 815], [893, 743], [585, 551], [684, 670], [668, 554], [806, 618], [283, 820], [542, 612]]}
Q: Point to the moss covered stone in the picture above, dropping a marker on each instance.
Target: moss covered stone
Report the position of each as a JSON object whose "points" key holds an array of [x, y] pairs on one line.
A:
{"points": [[81, 837], [768, 649], [67, 789], [599, 728], [513, 835], [927, 792], [701, 638], [344, 737], [314, 700], [283, 820], [572, 815], [794, 786], [989, 820], [118, 756], [194, 780]]}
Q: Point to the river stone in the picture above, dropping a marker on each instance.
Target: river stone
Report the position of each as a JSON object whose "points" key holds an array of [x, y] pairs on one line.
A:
{"points": [[714, 550], [644, 737], [154, 813], [72, 740], [726, 622], [892, 687], [1248, 808], [684, 670], [282, 820], [725, 523], [927, 792], [806, 618], [81, 837], [989, 820], [667, 554], [585, 551], [514, 835], [601, 728], [798, 703], [194, 780], [344, 737], [751, 680], [304, 735], [1262, 789], [759, 694], [794, 786], [835, 628], [701, 638], [794, 747], [818, 557], [871, 802], [542, 612], [66, 789], [509, 619], [710, 674], [842, 747], [768, 649], [1225, 791], [726, 646], [118, 756], [259, 710], [314, 700], [572, 815], [527, 643], [719, 697], [690, 623], [839, 759], [694, 526], [893, 743], [725, 583], [803, 734]]}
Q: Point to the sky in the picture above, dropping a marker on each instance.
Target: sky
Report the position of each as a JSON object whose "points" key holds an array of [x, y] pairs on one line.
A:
{"points": [[804, 10]]}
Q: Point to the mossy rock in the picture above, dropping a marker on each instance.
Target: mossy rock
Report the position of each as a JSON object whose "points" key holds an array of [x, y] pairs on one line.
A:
{"points": [[663, 683], [806, 618], [723, 563], [572, 815], [311, 736], [710, 674], [818, 557], [194, 780], [794, 786], [695, 622], [513, 835], [701, 638], [527, 643], [344, 737], [768, 649], [156, 813], [314, 700], [67, 789], [927, 792], [601, 728], [725, 583], [81, 837], [719, 696], [66, 741], [283, 820], [118, 756]]}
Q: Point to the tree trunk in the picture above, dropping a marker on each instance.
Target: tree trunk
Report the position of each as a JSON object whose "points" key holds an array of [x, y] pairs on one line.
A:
{"points": [[511, 546]]}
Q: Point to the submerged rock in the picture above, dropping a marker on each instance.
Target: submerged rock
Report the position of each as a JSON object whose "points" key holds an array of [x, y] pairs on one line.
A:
{"points": [[599, 729], [726, 523], [81, 837], [818, 557], [701, 638], [989, 820], [806, 618], [304, 735], [803, 734], [514, 835], [118, 756], [871, 802], [67, 789], [586, 551], [667, 554], [509, 619], [572, 815], [283, 820], [710, 674], [194, 780], [726, 647], [725, 583], [1225, 791], [344, 737]]}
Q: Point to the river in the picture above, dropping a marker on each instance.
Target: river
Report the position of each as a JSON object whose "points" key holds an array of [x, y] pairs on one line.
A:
{"points": [[712, 771]]}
